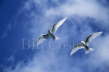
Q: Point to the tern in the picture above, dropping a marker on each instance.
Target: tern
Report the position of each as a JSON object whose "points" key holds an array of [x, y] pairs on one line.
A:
{"points": [[51, 32], [85, 44]]}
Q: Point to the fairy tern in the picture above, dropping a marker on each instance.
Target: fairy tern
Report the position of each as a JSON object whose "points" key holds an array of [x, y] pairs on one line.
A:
{"points": [[51, 32], [85, 44]]}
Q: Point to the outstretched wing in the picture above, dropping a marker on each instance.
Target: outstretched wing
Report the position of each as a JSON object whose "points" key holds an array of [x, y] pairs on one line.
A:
{"points": [[91, 37], [56, 26], [41, 39], [76, 48]]}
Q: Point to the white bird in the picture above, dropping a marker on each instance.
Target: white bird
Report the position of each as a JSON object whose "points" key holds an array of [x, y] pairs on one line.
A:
{"points": [[84, 44], [51, 32]]}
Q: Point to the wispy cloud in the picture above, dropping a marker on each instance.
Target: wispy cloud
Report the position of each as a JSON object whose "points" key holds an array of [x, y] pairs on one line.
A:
{"points": [[90, 8], [54, 55]]}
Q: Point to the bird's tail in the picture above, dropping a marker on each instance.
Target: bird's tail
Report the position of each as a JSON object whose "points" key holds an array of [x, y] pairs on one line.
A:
{"points": [[88, 51], [56, 38]]}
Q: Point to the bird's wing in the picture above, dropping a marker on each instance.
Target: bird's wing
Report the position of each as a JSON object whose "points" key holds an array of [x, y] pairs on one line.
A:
{"points": [[91, 37], [56, 26], [40, 40], [76, 48]]}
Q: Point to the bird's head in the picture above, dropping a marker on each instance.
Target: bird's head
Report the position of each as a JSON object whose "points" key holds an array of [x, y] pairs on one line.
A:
{"points": [[83, 42], [49, 31]]}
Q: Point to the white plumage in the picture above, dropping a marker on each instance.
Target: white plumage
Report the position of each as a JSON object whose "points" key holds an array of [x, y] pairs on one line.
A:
{"points": [[51, 32], [85, 43]]}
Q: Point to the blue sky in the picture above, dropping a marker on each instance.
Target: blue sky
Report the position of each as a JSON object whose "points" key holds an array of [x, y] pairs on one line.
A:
{"points": [[28, 19]]}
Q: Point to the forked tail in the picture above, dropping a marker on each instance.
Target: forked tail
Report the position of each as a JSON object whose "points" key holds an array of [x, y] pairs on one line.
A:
{"points": [[88, 51], [55, 37]]}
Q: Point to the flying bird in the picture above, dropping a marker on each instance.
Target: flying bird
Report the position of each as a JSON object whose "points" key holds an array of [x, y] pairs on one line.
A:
{"points": [[51, 32], [85, 44]]}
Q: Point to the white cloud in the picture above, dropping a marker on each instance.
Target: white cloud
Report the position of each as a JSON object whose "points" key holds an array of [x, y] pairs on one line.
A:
{"points": [[48, 59], [102, 47], [90, 8]]}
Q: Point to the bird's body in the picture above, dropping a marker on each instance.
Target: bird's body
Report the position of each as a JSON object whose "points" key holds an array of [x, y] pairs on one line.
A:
{"points": [[49, 35], [51, 32], [85, 44]]}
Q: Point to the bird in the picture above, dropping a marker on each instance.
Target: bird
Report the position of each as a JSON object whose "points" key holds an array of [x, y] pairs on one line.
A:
{"points": [[85, 44], [51, 32]]}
